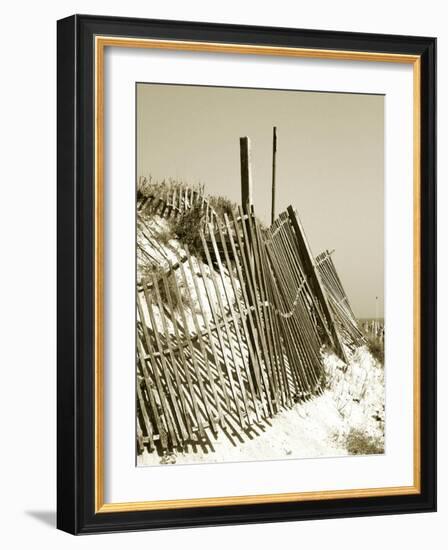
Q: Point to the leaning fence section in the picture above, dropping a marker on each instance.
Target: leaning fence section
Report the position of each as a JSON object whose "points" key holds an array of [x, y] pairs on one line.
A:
{"points": [[229, 337], [342, 313]]}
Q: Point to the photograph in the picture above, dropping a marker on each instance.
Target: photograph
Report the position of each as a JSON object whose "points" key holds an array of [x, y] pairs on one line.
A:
{"points": [[260, 324]]}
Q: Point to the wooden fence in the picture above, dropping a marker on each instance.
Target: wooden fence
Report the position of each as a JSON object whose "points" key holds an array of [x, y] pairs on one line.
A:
{"points": [[229, 337]]}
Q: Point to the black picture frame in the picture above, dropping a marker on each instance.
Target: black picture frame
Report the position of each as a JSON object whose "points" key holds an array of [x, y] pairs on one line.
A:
{"points": [[76, 271]]}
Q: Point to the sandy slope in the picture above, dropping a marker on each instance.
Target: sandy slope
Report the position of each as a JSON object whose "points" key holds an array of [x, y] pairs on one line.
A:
{"points": [[317, 428], [354, 398]]}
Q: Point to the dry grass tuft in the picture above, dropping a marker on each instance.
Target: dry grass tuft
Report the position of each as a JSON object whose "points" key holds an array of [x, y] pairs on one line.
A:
{"points": [[222, 206], [360, 443], [188, 227]]}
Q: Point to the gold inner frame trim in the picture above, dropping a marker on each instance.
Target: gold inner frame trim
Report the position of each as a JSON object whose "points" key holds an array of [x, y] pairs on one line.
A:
{"points": [[101, 42]]}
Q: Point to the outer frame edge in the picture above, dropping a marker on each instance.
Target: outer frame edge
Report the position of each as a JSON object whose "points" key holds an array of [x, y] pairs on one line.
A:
{"points": [[66, 268]]}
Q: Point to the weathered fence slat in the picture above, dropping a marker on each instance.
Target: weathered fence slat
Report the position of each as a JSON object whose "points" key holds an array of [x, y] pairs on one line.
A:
{"points": [[251, 332], [222, 346], [252, 357], [209, 331], [202, 348], [251, 277], [271, 386], [253, 309], [194, 362], [158, 378], [146, 419], [158, 418], [183, 361], [181, 415], [228, 333]]}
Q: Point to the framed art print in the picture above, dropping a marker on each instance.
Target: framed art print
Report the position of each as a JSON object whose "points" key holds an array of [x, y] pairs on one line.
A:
{"points": [[246, 267]]}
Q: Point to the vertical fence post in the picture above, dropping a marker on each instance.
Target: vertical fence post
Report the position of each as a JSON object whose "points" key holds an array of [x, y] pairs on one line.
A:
{"points": [[274, 158], [247, 203], [246, 175]]}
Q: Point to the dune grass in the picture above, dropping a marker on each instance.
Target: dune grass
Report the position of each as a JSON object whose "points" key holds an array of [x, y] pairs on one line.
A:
{"points": [[360, 443]]}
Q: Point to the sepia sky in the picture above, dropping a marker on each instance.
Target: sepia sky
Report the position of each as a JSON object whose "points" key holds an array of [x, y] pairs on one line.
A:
{"points": [[330, 164]]}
